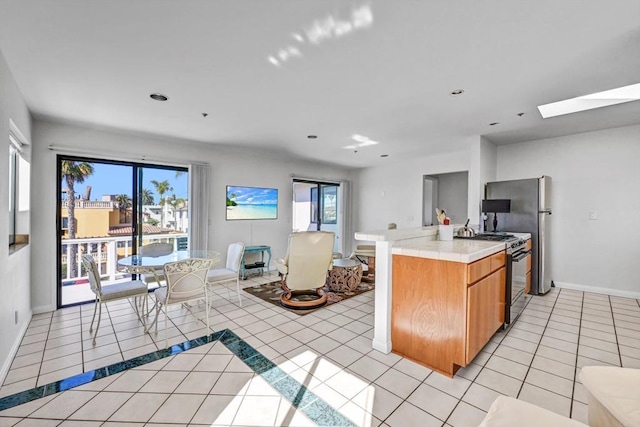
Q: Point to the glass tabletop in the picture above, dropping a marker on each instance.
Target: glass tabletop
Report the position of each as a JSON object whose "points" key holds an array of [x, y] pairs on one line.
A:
{"points": [[345, 262], [149, 261]]}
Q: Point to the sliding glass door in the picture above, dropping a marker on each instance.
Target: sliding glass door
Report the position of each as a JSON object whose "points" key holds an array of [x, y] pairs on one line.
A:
{"points": [[315, 208], [108, 209]]}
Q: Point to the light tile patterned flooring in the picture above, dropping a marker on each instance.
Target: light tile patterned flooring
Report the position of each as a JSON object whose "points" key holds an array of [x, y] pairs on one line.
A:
{"points": [[538, 360]]}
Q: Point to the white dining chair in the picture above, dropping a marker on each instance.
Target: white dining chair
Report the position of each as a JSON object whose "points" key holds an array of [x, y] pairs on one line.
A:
{"points": [[152, 250], [235, 253], [186, 282], [104, 294]]}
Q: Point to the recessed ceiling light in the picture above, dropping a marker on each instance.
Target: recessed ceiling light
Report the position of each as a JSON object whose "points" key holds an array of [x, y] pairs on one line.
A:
{"points": [[384, 155], [589, 102], [494, 123], [457, 92], [312, 136], [158, 97]]}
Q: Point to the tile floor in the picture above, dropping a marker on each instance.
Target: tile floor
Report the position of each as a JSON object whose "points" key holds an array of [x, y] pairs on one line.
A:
{"points": [[538, 360]]}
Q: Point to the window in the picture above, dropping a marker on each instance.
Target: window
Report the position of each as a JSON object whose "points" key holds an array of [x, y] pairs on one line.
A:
{"points": [[328, 204], [19, 187], [314, 205], [13, 181]]}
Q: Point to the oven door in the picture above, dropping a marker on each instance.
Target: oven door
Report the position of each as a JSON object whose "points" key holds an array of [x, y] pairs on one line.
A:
{"points": [[518, 277]]}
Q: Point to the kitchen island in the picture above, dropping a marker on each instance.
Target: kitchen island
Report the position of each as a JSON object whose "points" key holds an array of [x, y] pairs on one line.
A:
{"points": [[384, 241], [448, 299]]}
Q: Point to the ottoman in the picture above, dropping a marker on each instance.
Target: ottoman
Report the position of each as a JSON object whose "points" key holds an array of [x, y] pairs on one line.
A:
{"points": [[509, 412], [614, 395]]}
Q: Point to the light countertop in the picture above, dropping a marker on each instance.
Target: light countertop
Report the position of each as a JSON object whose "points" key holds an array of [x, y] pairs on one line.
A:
{"points": [[399, 234], [458, 250]]}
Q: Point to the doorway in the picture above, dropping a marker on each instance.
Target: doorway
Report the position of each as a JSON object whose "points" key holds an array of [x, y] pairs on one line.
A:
{"points": [[315, 208], [108, 209], [447, 191]]}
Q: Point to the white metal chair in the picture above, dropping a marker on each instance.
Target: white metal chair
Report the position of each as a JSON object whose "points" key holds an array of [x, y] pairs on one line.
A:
{"points": [[304, 269], [186, 282], [154, 249], [235, 252], [133, 288]]}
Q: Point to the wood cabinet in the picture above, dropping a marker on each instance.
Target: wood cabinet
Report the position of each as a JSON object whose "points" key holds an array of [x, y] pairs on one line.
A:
{"points": [[485, 311], [444, 312]]}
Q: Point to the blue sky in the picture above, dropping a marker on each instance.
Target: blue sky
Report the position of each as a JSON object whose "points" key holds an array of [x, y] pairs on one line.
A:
{"points": [[253, 196], [117, 179]]}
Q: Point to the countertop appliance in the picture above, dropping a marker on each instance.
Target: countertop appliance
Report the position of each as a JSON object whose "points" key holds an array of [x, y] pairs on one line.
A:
{"points": [[530, 211]]}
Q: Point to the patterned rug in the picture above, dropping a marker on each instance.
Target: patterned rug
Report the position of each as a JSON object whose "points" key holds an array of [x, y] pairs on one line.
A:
{"points": [[271, 292]]}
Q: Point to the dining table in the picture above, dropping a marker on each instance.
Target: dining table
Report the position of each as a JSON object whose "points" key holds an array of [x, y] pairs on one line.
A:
{"points": [[154, 264]]}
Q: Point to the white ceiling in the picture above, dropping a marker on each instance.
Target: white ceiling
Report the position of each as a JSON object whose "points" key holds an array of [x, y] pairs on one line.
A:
{"points": [[96, 62]]}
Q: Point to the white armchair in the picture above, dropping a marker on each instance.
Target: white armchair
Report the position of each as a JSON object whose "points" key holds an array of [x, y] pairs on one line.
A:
{"points": [[304, 269]]}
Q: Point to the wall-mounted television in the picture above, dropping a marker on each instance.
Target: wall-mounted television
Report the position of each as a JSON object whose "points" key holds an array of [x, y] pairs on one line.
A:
{"points": [[251, 203]]}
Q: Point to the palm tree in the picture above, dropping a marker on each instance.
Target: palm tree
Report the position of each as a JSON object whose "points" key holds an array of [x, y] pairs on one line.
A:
{"points": [[162, 188], [73, 172], [124, 204], [231, 201], [146, 197]]}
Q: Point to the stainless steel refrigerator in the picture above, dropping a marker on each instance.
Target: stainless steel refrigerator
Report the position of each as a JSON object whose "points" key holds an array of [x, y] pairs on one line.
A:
{"points": [[530, 213]]}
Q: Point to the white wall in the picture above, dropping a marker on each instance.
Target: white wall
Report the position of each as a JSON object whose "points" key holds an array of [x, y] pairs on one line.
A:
{"points": [[393, 192], [227, 168], [597, 171], [482, 170], [15, 291]]}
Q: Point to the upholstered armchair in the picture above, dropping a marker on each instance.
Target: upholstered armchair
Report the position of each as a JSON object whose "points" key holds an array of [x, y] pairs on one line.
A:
{"points": [[304, 269]]}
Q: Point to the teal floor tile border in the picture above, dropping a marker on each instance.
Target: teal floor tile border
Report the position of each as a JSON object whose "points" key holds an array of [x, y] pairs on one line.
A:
{"points": [[316, 409], [94, 375]]}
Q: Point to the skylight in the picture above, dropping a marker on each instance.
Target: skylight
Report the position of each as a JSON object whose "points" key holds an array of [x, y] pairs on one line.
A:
{"points": [[362, 141], [589, 102]]}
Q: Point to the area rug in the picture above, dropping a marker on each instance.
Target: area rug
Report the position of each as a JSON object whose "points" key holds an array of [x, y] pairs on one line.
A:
{"points": [[271, 292]]}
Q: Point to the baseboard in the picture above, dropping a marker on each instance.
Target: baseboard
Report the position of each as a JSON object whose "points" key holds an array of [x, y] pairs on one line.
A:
{"points": [[384, 347], [43, 309], [14, 349], [597, 290]]}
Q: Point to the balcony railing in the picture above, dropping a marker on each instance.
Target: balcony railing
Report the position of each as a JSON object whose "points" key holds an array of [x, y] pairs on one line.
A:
{"points": [[95, 204], [106, 251]]}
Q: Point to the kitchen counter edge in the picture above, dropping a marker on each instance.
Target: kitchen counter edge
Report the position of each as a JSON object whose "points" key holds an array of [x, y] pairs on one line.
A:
{"points": [[464, 251]]}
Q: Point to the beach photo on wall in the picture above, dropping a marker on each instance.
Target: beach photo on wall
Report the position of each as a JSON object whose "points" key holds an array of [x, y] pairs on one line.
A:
{"points": [[251, 203]]}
